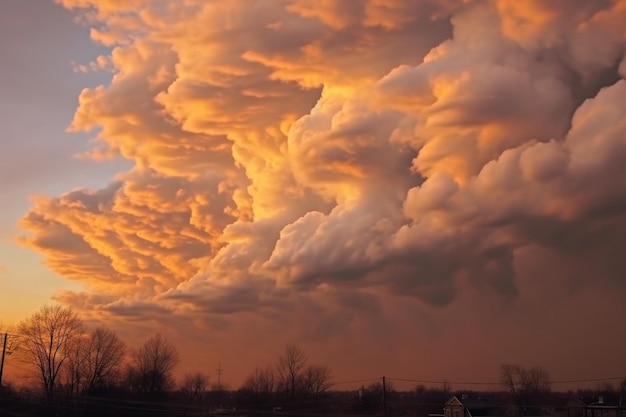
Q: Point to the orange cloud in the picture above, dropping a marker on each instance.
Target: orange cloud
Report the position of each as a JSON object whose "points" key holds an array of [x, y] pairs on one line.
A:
{"points": [[146, 231], [352, 163]]}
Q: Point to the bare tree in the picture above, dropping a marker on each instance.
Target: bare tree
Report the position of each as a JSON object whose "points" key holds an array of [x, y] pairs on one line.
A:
{"points": [[92, 361], [73, 373], [152, 366], [259, 386], [260, 381], [525, 385], [105, 353], [291, 366], [317, 379], [294, 376], [46, 338], [195, 386]]}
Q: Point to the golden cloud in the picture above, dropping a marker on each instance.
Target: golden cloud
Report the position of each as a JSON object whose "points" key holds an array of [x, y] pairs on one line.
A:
{"points": [[292, 147]]}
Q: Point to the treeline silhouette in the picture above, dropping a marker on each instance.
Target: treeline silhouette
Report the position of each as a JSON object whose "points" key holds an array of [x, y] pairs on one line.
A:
{"points": [[79, 372], [91, 372]]}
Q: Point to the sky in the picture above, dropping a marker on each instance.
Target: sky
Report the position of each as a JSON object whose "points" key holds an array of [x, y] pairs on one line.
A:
{"points": [[419, 189], [40, 50]]}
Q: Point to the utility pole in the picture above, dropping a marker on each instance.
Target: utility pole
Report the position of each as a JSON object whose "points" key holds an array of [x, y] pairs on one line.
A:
{"points": [[219, 372], [4, 349], [384, 398]]}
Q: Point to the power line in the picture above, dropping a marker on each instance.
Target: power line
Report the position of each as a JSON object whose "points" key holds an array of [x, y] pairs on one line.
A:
{"points": [[356, 381], [425, 381], [573, 381], [564, 381]]}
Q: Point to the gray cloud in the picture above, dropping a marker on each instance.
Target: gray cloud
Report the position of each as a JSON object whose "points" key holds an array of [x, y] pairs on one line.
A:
{"points": [[329, 159]]}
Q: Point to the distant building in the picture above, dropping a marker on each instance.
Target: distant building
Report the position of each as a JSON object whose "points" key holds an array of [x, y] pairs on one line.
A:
{"points": [[473, 407], [602, 406]]}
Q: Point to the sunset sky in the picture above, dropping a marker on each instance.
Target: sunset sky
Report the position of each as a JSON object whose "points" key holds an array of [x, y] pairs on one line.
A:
{"points": [[422, 189]]}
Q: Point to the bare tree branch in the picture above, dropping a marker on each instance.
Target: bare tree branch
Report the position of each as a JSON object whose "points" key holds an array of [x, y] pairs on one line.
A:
{"points": [[290, 368], [195, 386], [525, 385], [46, 340], [152, 367]]}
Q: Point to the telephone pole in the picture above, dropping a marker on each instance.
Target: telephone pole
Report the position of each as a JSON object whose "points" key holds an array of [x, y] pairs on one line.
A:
{"points": [[384, 398], [4, 349], [219, 372]]}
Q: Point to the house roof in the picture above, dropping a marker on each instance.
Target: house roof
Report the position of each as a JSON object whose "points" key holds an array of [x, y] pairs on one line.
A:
{"points": [[603, 401], [479, 406], [453, 401]]}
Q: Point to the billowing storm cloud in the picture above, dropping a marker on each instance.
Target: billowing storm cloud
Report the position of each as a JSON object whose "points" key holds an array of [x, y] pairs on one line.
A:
{"points": [[310, 161]]}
